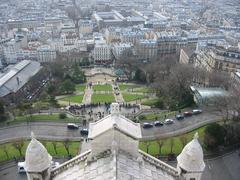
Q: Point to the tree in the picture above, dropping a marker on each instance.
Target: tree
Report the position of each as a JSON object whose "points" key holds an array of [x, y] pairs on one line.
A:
{"points": [[51, 89], [2, 112], [214, 135], [53, 101], [78, 76], [174, 87], [160, 145], [55, 146], [5, 150], [19, 145], [147, 145], [62, 115], [219, 79], [57, 68], [140, 76], [66, 144], [183, 140], [68, 86], [172, 142]]}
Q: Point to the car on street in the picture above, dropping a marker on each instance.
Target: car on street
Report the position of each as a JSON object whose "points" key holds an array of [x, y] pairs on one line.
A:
{"points": [[158, 123], [54, 164], [187, 114], [84, 132], [179, 117], [147, 125], [168, 121], [21, 167], [196, 111], [72, 126]]}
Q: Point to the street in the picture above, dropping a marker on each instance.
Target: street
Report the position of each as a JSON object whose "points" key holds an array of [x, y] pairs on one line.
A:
{"points": [[181, 126], [48, 130], [58, 131]]}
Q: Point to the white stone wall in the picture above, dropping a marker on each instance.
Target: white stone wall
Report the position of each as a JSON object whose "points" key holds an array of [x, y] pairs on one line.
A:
{"points": [[104, 142]]}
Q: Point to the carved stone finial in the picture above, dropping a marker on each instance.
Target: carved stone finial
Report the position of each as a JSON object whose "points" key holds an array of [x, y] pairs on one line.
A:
{"points": [[32, 135], [196, 136]]}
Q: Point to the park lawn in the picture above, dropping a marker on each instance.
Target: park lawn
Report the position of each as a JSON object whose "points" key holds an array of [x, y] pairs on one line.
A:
{"points": [[132, 97], [105, 87], [150, 102], [61, 151], [37, 117], [80, 87], [41, 105], [142, 90], [177, 147], [125, 86], [73, 99], [154, 116], [102, 98]]}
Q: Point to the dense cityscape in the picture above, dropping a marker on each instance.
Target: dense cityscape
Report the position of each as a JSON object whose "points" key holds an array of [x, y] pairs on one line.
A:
{"points": [[124, 90]]}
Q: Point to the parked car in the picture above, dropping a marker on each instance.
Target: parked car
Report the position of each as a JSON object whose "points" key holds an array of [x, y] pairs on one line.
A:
{"points": [[169, 121], [158, 123], [196, 111], [72, 126], [54, 164], [179, 117], [147, 125], [21, 167], [84, 132], [187, 114]]}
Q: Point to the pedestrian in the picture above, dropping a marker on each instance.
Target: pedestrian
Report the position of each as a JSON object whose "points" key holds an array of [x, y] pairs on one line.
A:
{"points": [[15, 159]]}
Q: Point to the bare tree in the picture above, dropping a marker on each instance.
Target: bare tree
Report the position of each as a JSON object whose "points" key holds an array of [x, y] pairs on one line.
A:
{"points": [[147, 145], [222, 104], [219, 79], [5, 150], [160, 145], [66, 144], [172, 142], [19, 145], [54, 146]]}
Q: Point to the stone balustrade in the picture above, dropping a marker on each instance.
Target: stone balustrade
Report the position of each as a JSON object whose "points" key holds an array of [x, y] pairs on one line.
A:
{"points": [[171, 170], [70, 163]]}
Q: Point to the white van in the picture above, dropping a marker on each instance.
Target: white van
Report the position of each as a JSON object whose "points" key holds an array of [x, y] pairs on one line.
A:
{"points": [[21, 167]]}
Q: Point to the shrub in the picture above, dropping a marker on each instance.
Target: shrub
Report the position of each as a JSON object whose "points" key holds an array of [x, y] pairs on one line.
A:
{"points": [[214, 136], [142, 117], [62, 115]]}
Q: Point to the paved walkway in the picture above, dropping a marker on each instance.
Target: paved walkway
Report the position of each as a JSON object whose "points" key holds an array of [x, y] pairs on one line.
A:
{"points": [[119, 97], [87, 96]]}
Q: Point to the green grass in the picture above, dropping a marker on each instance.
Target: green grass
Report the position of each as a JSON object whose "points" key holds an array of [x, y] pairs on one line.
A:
{"points": [[105, 87], [73, 99], [41, 105], [37, 117], [142, 90], [154, 116], [132, 97], [102, 98], [177, 147], [127, 86], [150, 102], [80, 87], [61, 151]]}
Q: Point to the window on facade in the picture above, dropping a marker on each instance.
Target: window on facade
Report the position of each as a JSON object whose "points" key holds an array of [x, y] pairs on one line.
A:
{"points": [[192, 179]]}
